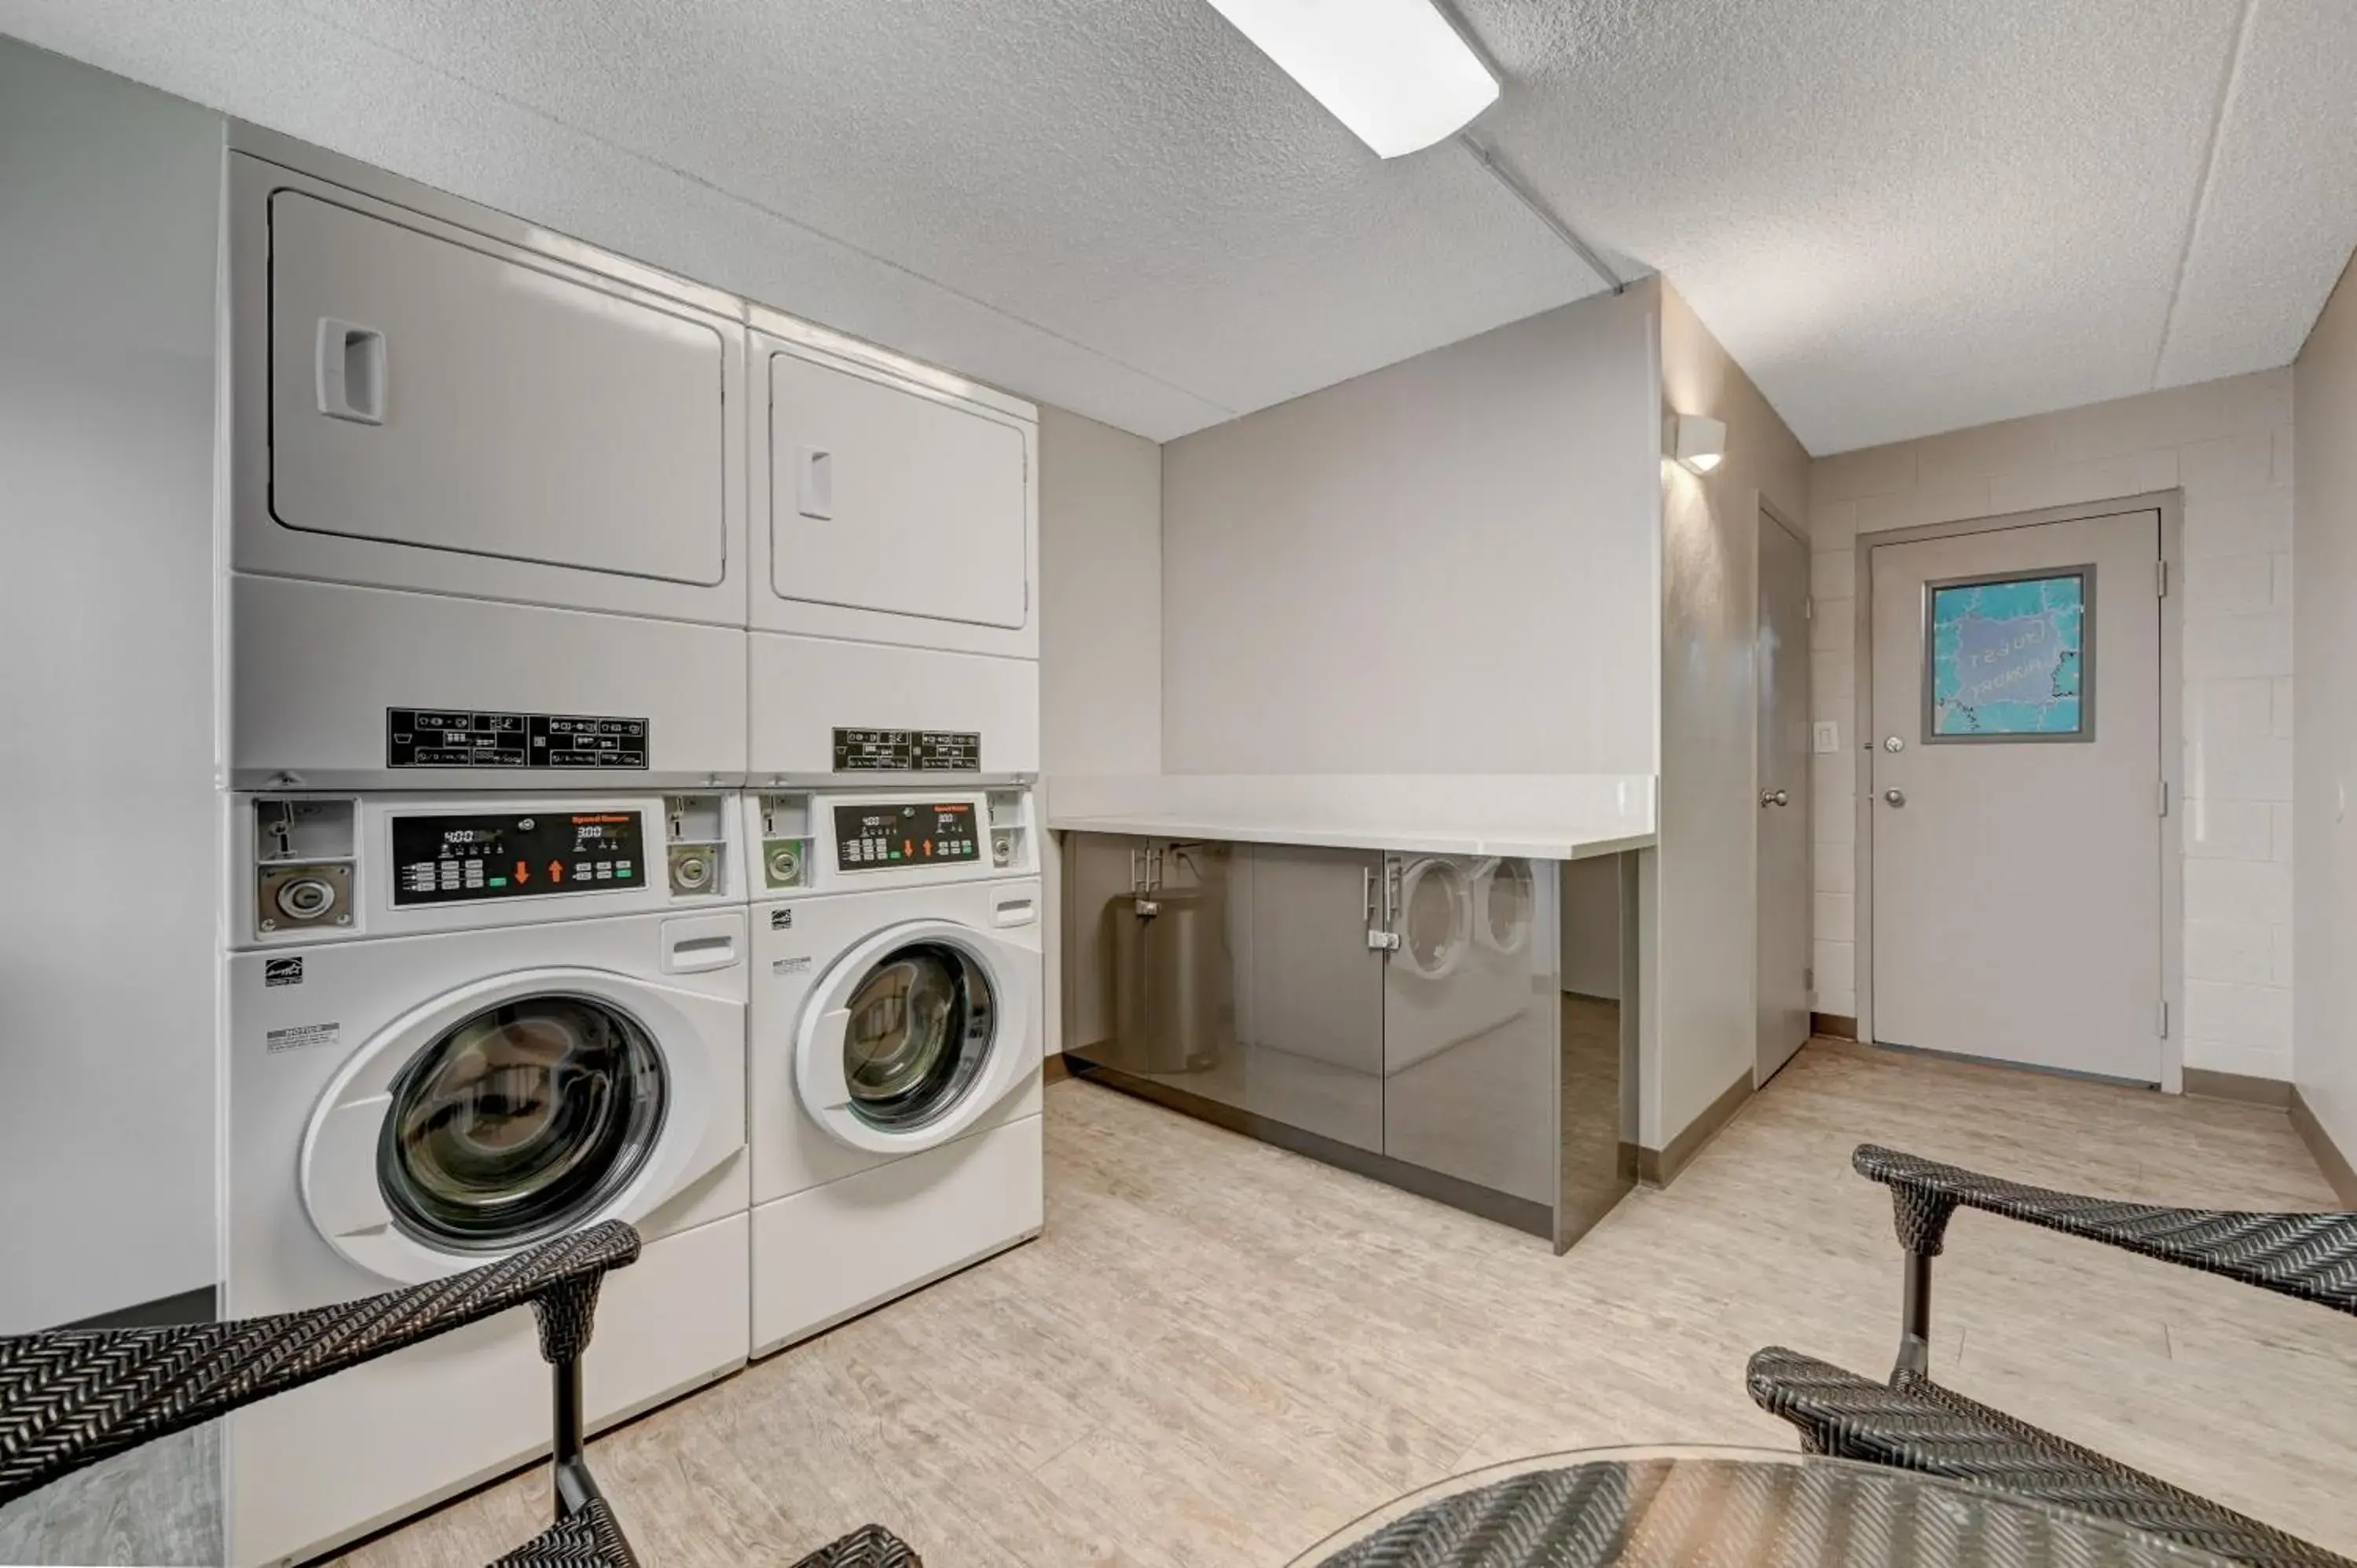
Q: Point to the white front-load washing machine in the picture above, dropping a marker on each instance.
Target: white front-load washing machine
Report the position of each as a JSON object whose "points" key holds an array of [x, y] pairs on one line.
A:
{"points": [[459, 1025], [894, 1046]]}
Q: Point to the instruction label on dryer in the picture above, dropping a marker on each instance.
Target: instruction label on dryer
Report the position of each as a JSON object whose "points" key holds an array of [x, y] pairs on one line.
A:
{"points": [[907, 751], [449, 737]]}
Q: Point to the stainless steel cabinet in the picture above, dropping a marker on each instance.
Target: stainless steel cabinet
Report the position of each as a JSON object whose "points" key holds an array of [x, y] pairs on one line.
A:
{"points": [[1234, 974], [1414, 1017], [1470, 1015]]}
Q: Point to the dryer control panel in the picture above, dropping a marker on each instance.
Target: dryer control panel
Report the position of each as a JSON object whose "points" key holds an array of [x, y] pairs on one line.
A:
{"points": [[441, 858]]}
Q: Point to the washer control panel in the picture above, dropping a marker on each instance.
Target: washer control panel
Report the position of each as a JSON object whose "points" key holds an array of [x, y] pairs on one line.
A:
{"points": [[900, 835], [443, 858]]}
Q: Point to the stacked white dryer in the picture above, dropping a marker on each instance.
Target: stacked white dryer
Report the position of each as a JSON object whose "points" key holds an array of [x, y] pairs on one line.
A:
{"points": [[487, 666], [898, 1015]]}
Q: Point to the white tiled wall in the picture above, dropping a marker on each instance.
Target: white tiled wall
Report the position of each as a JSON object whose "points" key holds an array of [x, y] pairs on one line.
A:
{"points": [[2228, 444]]}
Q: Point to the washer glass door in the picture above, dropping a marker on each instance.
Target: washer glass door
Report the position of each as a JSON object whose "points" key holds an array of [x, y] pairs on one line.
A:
{"points": [[519, 1122], [921, 1023]]}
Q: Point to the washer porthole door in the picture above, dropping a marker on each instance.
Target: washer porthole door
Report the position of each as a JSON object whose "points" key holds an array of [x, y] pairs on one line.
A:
{"points": [[519, 1122], [918, 1034], [911, 1036]]}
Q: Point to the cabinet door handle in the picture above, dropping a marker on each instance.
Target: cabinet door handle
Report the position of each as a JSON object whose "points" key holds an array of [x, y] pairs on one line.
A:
{"points": [[1379, 937], [351, 371], [1775, 798]]}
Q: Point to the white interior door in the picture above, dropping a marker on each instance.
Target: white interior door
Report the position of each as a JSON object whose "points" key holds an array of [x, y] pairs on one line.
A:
{"points": [[1782, 781], [2017, 795]]}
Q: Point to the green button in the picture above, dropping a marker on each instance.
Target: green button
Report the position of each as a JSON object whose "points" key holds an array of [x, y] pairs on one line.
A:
{"points": [[499, 882]]}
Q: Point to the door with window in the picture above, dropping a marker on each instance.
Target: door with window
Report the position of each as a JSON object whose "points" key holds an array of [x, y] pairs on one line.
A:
{"points": [[2016, 814]]}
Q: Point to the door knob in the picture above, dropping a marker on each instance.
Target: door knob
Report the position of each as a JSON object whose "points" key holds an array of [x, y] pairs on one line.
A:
{"points": [[1775, 798], [1896, 797]]}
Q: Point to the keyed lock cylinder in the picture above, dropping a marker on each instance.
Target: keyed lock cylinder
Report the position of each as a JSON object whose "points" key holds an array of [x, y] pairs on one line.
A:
{"points": [[693, 868]]}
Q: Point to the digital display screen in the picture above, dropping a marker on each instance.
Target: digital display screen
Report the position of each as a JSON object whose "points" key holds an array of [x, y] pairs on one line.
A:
{"points": [[875, 838], [461, 859]]}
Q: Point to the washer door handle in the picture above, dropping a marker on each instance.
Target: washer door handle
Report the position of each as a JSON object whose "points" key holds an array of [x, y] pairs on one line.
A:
{"points": [[700, 944]]}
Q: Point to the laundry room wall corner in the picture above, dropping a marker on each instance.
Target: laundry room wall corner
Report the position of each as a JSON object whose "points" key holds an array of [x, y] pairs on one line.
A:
{"points": [[1100, 626], [1708, 892], [108, 254]]}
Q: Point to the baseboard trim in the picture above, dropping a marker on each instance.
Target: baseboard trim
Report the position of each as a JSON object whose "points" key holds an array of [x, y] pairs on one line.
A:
{"points": [[1833, 1025], [1055, 1069], [1659, 1167], [165, 1312], [2208, 1083], [2338, 1173], [1505, 1208]]}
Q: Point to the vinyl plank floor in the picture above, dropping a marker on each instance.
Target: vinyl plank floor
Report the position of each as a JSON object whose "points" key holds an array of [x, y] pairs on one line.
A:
{"points": [[159, 1505], [1220, 1351]]}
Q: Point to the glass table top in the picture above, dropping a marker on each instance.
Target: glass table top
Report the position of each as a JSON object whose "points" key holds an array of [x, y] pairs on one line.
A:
{"points": [[1727, 1508]]}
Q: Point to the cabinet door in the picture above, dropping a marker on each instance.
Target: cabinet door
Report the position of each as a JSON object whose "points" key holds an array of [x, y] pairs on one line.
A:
{"points": [[885, 498], [430, 393], [1310, 1014], [1469, 1021]]}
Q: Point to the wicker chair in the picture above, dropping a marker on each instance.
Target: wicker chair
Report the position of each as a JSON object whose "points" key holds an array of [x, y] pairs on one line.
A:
{"points": [[71, 1398], [1914, 1424]]}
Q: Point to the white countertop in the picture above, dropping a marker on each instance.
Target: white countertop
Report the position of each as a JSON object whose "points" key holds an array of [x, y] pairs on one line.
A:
{"points": [[1534, 816]]}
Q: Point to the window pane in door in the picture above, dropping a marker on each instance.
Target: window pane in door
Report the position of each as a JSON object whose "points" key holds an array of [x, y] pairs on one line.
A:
{"points": [[2007, 658]]}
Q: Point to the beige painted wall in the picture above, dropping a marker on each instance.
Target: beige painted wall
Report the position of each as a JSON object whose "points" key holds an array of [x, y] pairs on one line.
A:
{"points": [[2228, 444], [1706, 1015], [1445, 566], [108, 200], [2324, 879], [1100, 625]]}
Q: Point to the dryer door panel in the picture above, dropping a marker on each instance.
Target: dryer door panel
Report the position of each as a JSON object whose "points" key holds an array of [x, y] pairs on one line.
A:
{"points": [[886, 499], [436, 394]]}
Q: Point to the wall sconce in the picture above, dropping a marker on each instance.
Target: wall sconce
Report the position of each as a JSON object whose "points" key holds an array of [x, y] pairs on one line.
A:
{"points": [[1696, 442]]}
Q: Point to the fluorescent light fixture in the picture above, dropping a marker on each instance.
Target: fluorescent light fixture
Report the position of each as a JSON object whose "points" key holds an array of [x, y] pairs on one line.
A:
{"points": [[1395, 71], [1696, 442]]}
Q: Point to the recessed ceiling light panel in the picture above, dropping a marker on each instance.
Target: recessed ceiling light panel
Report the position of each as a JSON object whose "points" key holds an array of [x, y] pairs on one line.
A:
{"points": [[1395, 71]]}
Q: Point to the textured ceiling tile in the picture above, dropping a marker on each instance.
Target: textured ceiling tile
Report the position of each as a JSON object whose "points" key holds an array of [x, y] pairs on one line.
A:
{"points": [[1899, 218], [1135, 177], [2282, 211], [1902, 218], [262, 61]]}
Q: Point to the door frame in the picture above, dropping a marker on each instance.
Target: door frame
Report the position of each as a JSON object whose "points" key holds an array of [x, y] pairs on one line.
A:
{"points": [[2170, 505], [1770, 516]]}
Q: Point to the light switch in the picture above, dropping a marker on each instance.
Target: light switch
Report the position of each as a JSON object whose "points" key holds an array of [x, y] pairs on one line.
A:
{"points": [[1829, 736]]}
